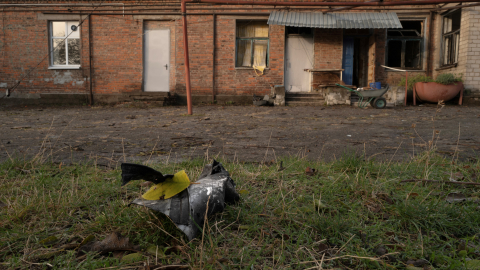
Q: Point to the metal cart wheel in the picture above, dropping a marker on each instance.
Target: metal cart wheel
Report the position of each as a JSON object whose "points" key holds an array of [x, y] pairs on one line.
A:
{"points": [[380, 103]]}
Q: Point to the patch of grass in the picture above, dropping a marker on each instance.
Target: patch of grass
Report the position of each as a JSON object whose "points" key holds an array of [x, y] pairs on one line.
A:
{"points": [[351, 214]]}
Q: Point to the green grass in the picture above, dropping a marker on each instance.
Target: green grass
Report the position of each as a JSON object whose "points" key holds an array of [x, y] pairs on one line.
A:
{"points": [[339, 218]]}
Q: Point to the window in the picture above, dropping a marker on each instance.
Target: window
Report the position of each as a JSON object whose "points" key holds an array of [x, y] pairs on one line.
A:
{"points": [[451, 37], [404, 46], [65, 44], [252, 44]]}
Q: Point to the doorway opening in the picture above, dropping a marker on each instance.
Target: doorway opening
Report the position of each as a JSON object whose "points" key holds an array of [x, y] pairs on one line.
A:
{"points": [[355, 60]]}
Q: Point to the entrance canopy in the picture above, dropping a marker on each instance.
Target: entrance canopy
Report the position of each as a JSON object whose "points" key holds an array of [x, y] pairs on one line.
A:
{"points": [[350, 20]]}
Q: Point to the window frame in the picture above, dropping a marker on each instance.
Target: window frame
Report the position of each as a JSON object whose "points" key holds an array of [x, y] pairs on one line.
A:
{"points": [[454, 35], [237, 39], [51, 38], [404, 41]]}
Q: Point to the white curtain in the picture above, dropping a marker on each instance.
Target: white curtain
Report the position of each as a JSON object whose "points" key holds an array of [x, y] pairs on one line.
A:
{"points": [[244, 48]]}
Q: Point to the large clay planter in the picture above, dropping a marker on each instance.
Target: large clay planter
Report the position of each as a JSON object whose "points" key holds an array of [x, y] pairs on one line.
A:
{"points": [[434, 92]]}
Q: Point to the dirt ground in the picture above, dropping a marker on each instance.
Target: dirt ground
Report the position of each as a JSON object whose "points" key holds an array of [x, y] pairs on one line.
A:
{"points": [[109, 135]]}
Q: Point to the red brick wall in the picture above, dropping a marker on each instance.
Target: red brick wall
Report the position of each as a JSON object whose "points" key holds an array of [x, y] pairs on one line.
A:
{"points": [[117, 54], [200, 45], [328, 50], [24, 45], [237, 81]]}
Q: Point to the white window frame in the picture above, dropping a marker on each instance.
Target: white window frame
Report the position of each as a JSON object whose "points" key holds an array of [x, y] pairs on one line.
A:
{"points": [[66, 38]]}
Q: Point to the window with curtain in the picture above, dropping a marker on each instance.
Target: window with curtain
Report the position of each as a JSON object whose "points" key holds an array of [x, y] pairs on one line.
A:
{"points": [[405, 46], [451, 37], [252, 44], [65, 44]]}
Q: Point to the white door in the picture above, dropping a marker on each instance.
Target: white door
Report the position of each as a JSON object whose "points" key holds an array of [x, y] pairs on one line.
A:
{"points": [[299, 56], [156, 60]]}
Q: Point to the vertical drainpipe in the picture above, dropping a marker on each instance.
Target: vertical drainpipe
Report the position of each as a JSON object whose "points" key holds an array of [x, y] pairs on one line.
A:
{"points": [[90, 56], [187, 63], [430, 45], [213, 61]]}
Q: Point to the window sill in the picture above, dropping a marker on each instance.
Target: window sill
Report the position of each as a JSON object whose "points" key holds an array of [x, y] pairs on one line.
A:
{"points": [[447, 67], [64, 67], [247, 68]]}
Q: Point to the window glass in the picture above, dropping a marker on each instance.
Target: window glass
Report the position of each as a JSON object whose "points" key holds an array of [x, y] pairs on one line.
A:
{"points": [[404, 46], [65, 44], [252, 29], [59, 52], [71, 33], [74, 51], [252, 44], [394, 53], [412, 53], [451, 37], [260, 53], [58, 29], [244, 53]]}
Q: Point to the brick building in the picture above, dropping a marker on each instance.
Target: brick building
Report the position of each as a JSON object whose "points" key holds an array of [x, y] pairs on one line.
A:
{"points": [[133, 50]]}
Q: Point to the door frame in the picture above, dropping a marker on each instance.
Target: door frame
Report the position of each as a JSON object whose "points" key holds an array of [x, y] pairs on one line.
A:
{"points": [[310, 88], [144, 52]]}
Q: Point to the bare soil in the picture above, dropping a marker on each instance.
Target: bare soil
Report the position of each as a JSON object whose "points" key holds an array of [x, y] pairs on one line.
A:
{"points": [[139, 132]]}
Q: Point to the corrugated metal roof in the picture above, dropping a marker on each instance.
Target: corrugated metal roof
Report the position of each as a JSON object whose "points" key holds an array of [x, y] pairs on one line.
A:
{"points": [[350, 20]]}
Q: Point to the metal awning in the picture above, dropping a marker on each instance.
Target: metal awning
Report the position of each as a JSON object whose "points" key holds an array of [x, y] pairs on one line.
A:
{"points": [[350, 20]]}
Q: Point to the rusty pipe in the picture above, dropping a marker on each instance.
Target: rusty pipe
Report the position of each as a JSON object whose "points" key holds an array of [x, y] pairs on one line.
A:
{"points": [[341, 4], [173, 13], [213, 58], [430, 44], [187, 63], [90, 57], [346, 8]]}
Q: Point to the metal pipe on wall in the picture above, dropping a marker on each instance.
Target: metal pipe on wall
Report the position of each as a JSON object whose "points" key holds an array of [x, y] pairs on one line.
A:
{"points": [[430, 44], [213, 58], [172, 13], [326, 4], [346, 8], [187, 63], [90, 56]]}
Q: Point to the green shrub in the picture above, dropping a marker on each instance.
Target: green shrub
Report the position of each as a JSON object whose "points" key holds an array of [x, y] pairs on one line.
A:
{"points": [[445, 78], [415, 79], [448, 78]]}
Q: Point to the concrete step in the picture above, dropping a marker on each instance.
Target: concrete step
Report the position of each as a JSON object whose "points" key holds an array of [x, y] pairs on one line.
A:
{"points": [[304, 99], [305, 103], [302, 94], [154, 96], [297, 98]]}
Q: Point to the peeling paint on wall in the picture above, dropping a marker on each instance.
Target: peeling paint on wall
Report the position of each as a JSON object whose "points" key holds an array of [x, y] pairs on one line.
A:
{"points": [[62, 77], [77, 83], [3, 85]]}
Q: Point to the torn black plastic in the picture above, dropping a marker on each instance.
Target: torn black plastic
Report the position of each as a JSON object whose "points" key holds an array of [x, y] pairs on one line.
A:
{"points": [[187, 209], [132, 171]]}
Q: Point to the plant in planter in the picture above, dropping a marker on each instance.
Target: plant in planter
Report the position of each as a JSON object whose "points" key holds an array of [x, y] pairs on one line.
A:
{"points": [[413, 80], [444, 88]]}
